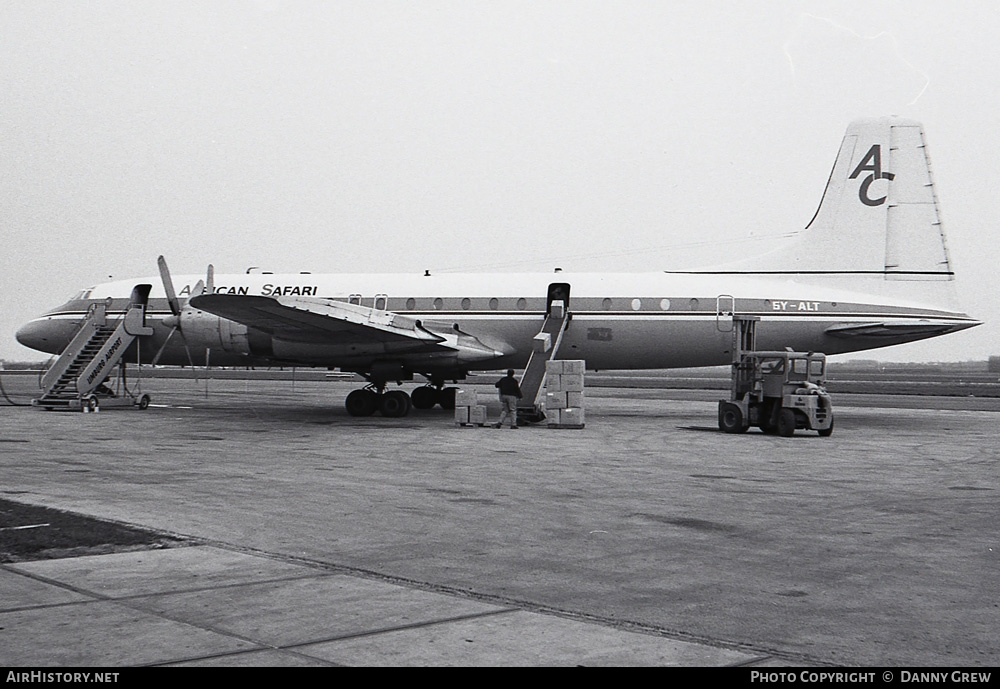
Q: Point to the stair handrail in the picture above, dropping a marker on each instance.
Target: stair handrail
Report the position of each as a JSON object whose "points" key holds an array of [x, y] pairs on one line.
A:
{"points": [[128, 326], [94, 321], [533, 377]]}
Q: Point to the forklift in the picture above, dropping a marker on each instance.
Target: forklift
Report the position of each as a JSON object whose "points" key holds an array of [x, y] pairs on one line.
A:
{"points": [[776, 391]]}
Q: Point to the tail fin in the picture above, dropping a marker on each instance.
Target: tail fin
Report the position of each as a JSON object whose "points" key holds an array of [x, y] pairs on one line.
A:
{"points": [[877, 227], [879, 213]]}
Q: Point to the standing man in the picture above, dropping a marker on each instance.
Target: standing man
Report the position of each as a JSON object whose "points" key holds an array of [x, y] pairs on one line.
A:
{"points": [[510, 393]]}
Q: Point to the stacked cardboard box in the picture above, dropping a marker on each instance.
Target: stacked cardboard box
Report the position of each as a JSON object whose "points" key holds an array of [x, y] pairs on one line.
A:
{"points": [[468, 412], [564, 393]]}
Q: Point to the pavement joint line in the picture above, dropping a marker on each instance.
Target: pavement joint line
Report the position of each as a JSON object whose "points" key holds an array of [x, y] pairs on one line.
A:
{"points": [[100, 597], [322, 568], [219, 587], [46, 606], [131, 604], [332, 568], [263, 645], [291, 648], [514, 605], [52, 582], [404, 627], [236, 654]]}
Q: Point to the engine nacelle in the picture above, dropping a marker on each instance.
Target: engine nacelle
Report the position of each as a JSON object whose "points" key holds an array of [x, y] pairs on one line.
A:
{"points": [[204, 330]]}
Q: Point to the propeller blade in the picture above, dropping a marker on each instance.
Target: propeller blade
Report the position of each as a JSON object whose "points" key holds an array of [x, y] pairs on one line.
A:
{"points": [[168, 286], [210, 280], [177, 328], [163, 346], [188, 350], [198, 289], [175, 309]]}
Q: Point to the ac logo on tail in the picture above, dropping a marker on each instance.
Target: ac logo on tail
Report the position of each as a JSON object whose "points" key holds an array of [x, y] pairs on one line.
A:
{"points": [[872, 162]]}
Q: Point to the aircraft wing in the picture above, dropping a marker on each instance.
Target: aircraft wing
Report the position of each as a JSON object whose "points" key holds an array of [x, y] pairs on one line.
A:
{"points": [[892, 329], [326, 321]]}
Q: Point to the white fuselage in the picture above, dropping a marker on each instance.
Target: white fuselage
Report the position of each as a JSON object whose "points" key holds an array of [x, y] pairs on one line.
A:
{"points": [[619, 321]]}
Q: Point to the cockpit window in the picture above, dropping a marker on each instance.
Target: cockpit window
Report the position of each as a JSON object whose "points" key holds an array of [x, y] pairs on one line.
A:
{"points": [[82, 294]]}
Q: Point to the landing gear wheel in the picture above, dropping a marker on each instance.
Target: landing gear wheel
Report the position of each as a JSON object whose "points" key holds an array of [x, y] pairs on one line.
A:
{"points": [[446, 398], [361, 403], [731, 418], [143, 402], [424, 398], [394, 404], [786, 423]]}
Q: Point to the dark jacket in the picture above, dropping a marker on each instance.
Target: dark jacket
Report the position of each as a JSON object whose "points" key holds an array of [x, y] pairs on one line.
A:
{"points": [[508, 386]]}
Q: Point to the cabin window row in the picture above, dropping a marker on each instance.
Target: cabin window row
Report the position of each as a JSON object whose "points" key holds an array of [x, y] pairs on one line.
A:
{"points": [[381, 302]]}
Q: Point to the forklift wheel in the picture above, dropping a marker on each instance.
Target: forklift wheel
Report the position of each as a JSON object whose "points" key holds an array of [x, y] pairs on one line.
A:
{"points": [[731, 418], [786, 423], [827, 432]]}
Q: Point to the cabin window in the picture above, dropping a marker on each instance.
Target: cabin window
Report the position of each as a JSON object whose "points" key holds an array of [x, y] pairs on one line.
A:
{"points": [[354, 299], [380, 301], [494, 304], [438, 303], [466, 303], [665, 304], [693, 304], [606, 304], [636, 304], [522, 304], [411, 303]]}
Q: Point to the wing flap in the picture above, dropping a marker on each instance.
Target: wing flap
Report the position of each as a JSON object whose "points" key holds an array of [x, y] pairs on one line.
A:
{"points": [[315, 320], [307, 321]]}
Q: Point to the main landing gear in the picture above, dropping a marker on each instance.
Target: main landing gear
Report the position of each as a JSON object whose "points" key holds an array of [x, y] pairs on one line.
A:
{"points": [[396, 403]]}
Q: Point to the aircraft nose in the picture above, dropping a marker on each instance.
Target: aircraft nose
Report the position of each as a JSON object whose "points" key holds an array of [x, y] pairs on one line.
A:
{"points": [[34, 334]]}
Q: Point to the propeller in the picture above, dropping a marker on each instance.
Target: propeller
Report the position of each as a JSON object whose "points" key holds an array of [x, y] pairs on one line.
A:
{"points": [[168, 287], [174, 319]]}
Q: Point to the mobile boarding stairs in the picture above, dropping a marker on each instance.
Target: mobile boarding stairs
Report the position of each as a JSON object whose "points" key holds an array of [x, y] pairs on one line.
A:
{"points": [[76, 379], [545, 347]]}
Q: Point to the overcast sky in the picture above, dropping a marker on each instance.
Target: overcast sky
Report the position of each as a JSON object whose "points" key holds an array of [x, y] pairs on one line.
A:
{"points": [[368, 136]]}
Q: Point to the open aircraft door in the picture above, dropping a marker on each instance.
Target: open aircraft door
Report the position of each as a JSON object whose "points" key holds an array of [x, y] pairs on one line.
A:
{"points": [[558, 291]]}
